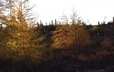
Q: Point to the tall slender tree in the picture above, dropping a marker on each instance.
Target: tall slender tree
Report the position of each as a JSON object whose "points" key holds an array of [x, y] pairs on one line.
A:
{"points": [[18, 23]]}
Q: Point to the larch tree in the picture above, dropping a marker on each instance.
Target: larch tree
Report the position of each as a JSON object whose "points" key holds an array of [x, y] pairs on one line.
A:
{"points": [[61, 37], [19, 26], [79, 34], [75, 22], [15, 23], [65, 33]]}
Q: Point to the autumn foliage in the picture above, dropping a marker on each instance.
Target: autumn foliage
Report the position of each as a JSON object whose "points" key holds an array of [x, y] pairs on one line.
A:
{"points": [[22, 40]]}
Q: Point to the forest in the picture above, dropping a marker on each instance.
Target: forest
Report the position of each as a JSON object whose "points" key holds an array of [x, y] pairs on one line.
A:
{"points": [[30, 46]]}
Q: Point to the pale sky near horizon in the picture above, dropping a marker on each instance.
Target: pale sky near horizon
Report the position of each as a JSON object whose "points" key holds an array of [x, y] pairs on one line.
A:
{"points": [[90, 11]]}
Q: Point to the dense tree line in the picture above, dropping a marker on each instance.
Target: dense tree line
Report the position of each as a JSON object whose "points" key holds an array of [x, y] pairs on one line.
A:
{"points": [[81, 38], [23, 42]]}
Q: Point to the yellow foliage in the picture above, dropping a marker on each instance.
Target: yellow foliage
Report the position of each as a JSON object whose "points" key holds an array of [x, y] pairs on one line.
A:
{"points": [[61, 37], [65, 36]]}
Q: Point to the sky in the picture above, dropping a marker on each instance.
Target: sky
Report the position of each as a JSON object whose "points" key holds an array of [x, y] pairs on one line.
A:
{"points": [[91, 11]]}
